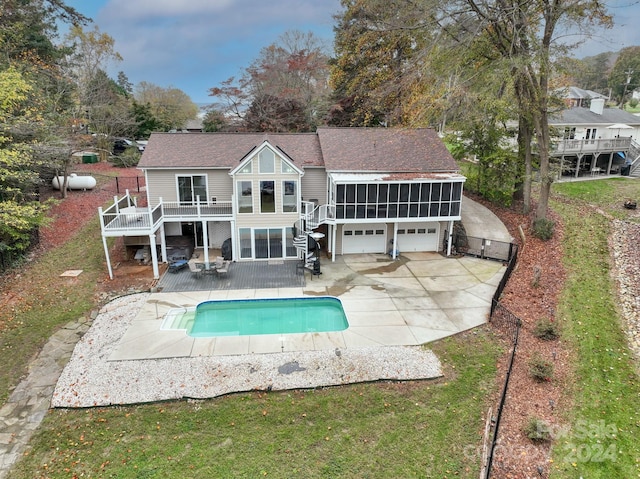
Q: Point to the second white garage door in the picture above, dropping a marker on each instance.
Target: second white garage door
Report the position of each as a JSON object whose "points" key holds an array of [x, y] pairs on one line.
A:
{"points": [[364, 238], [418, 237]]}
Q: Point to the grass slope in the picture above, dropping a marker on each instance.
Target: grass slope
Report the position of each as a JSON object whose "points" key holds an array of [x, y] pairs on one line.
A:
{"points": [[605, 422], [43, 301]]}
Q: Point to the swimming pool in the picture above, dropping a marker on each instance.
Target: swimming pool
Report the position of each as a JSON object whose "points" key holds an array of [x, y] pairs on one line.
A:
{"points": [[243, 317]]}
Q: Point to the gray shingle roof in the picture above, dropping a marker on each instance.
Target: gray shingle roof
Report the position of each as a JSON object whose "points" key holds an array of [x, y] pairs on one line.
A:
{"points": [[337, 149], [225, 150], [584, 116], [384, 149]]}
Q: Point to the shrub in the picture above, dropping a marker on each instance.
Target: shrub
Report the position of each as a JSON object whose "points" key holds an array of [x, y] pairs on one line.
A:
{"points": [[540, 369], [543, 228], [129, 158], [546, 329], [537, 430]]}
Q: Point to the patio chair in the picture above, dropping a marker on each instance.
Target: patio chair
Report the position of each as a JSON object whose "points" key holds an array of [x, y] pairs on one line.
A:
{"points": [[193, 267], [222, 265]]}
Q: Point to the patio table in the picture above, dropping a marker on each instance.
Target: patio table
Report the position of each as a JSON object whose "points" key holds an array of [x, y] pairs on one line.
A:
{"points": [[210, 270]]}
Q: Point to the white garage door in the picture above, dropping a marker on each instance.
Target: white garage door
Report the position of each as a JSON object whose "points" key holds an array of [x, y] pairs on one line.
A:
{"points": [[418, 237], [363, 239]]}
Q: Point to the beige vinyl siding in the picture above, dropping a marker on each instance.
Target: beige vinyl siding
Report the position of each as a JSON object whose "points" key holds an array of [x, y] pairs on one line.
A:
{"points": [[314, 185], [163, 184]]}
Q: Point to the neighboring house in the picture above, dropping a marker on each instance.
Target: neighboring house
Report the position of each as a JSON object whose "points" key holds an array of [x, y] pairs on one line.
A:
{"points": [[595, 140], [361, 190], [577, 97], [194, 126]]}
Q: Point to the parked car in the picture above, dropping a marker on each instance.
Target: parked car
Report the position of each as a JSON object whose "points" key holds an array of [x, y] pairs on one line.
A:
{"points": [[121, 144]]}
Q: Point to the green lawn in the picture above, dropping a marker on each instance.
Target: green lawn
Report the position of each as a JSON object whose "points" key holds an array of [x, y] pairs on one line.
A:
{"points": [[45, 302], [413, 429], [605, 420]]}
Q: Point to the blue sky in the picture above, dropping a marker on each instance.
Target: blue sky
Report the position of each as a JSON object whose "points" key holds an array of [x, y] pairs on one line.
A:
{"points": [[194, 45]]}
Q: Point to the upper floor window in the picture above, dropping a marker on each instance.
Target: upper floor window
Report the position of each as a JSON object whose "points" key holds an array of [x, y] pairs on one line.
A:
{"points": [[267, 161], [267, 197], [289, 196], [286, 168], [246, 169], [398, 200], [190, 187], [569, 133], [245, 197]]}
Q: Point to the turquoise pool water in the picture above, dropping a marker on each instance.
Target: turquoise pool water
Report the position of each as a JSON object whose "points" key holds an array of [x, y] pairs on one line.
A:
{"points": [[243, 317]]}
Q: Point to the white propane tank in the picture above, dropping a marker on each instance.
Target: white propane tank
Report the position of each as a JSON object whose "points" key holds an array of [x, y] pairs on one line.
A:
{"points": [[74, 182]]}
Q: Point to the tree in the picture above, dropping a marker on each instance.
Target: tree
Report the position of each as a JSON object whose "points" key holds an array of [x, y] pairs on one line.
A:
{"points": [[214, 120], [146, 122], [20, 211], [92, 53], [590, 73], [171, 107], [463, 37], [378, 54], [273, 113], [28, 27], [288, 76], [625, 74], [522, 34]]}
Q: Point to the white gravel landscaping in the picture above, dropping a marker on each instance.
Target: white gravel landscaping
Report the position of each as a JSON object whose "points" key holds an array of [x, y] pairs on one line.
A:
{"points": [[90, 379]]}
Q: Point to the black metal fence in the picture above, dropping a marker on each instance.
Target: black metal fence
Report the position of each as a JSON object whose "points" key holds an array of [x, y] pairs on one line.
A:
{"points": [[507, 325], [483, 247], [132, 183]]}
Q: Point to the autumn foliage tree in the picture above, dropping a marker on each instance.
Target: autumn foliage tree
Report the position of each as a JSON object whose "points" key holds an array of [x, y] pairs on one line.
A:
{"points": [[284, 89]]}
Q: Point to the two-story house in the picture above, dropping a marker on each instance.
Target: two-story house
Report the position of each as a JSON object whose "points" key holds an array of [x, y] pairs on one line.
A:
{"points": [[362, 190], [595, 140]]}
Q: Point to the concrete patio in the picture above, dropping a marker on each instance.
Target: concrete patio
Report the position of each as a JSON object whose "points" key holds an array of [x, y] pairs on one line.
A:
{"points": [[417, 299]]}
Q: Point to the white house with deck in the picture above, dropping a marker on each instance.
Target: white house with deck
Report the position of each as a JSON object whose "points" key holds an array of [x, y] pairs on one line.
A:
{"points": [[269, 195], [596, 140]]}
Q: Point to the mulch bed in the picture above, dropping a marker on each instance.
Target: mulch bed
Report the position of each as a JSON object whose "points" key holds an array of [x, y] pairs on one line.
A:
{"points": [[531, 294]]}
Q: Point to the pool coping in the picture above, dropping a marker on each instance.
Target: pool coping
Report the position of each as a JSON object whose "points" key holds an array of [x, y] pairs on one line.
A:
{"points": [[423, 298]]}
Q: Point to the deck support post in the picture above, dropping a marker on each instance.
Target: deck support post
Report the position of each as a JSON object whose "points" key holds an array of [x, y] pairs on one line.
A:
{"points": [[154, 256], [106, 254]]}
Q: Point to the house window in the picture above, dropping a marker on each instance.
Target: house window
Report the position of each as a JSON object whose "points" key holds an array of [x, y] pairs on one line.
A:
{"points": [[244, 237], [267, 197], [191, 187], [289, 197], [246, 169], [267, 160], [286, 168], [569, 133], [398, 200], [245, 197]]}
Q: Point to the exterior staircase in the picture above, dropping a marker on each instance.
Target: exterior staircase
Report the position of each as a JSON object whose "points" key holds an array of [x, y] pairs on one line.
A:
{"points": [[312, 216], [634, 155]]}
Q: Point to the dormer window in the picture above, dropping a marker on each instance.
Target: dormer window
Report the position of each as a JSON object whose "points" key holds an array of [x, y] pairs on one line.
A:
{"points": [[267, 161]]}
